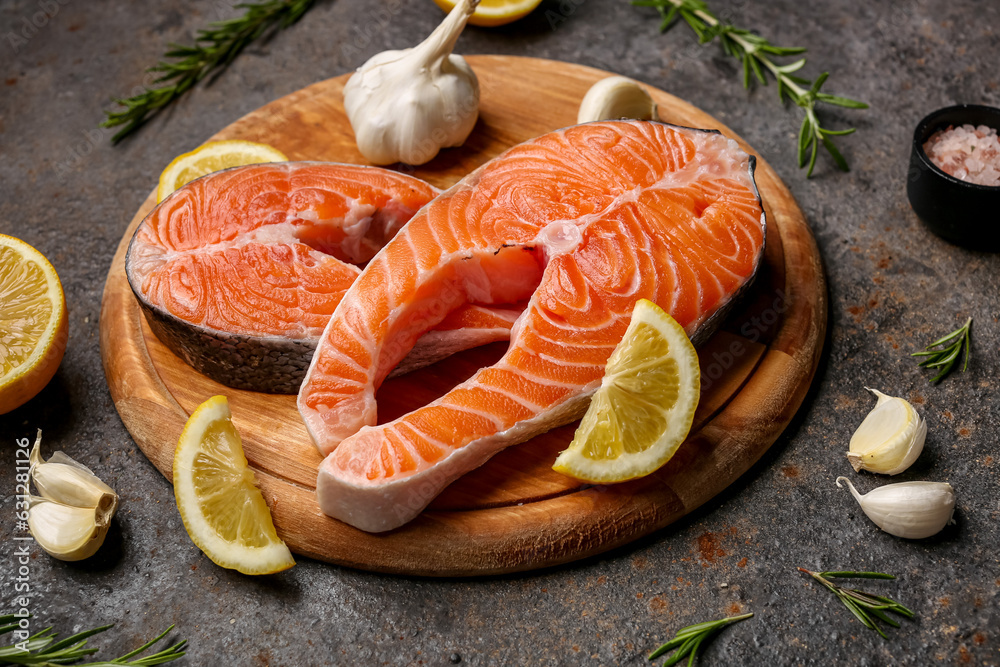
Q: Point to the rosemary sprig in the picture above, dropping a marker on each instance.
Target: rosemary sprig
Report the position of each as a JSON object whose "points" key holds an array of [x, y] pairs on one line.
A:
{"points": [[866, 607], [42, 649], [214, 48], [946, 357], [757, 54], [688, 640]]}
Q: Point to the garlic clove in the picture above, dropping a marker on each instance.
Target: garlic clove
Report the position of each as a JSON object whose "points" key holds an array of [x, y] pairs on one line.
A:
{"points": [[66, 532], [889, 439], [911, 510], [64, 480], [614, 98], [70, 518]]}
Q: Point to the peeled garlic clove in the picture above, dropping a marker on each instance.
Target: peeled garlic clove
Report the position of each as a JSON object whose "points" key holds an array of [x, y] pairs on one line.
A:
{"points": [[912, 510], [890, 438], [614, 98], [65, 481], [66, 532]]}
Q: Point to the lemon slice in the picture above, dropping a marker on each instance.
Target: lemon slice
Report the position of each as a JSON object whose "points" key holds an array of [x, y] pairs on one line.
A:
{"points": [[492, 13], [645, 405], [222, 508], [33, 324], [213, 156]]}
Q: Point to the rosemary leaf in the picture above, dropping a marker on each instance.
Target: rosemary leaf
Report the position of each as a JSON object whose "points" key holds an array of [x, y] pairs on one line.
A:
{"points": [[681, 653], [688, 640], [42, 649], [944, 358], [756, 54], [880, 615], [868, 608], [832, 150], [857, 575]]}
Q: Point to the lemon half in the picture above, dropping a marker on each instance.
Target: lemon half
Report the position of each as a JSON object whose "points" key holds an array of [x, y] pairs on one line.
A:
{"points": [[492, 13], [217, 495], [213, 156], [645, 405], [33, 324]]}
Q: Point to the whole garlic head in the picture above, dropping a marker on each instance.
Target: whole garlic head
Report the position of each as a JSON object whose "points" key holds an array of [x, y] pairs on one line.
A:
{"points": [[912, 510], [406, 105], [889, 439]]}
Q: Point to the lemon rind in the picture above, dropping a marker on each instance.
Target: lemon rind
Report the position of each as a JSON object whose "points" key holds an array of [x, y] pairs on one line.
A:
{"points": [[492, 17], [48, 341]]}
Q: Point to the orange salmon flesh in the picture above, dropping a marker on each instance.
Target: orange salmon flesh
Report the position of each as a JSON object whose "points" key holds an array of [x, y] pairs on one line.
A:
{"points": [[579, 224], [238, 272]]}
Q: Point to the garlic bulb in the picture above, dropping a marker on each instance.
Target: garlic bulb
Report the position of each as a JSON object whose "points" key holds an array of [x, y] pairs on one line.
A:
{"points": [[889, 439], [71, 517], [614, 98], [912, 510], [66, 532], [406, 105]]}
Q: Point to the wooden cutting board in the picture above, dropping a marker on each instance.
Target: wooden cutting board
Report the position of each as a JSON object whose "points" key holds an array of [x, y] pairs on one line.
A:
{"points": [[514, 513]]}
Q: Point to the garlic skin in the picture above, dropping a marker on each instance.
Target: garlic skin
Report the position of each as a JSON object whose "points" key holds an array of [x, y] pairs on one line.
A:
{"points": [[614, 98], [406, 105], [66, 532], [63, 480], [911, 510], [71, 516], [889, 439]]}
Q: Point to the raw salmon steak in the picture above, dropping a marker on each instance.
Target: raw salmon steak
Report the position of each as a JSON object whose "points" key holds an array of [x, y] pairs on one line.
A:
{"points": [[238, 272], [582, 223]]}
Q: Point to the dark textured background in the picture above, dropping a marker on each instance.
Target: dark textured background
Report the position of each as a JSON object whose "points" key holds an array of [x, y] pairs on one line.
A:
{"points": [[893, 287]]}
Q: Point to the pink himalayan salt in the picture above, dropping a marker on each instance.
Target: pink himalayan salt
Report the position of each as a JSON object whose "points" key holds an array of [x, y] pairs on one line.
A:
{"points": [[968, 153]]}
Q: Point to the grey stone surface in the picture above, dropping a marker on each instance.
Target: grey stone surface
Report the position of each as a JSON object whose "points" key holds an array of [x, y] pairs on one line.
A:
{"points": [[893, 286]]}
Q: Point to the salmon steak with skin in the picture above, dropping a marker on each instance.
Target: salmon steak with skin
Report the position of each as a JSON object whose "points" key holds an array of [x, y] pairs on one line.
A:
{"points": [[239, 271], [581, 223]]}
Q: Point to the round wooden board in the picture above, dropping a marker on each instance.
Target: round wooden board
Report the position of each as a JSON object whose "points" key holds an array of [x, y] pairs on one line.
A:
{"points": [[514, 513]]}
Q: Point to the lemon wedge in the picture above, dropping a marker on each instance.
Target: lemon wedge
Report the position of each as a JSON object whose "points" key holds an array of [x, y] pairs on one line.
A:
{"points": [[33, 324], [645, 405], [220, 504], [213, 156], [491, 13]]}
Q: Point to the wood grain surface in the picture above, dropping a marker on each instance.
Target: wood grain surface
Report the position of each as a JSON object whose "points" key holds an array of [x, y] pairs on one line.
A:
{"points": [[514, 513]]}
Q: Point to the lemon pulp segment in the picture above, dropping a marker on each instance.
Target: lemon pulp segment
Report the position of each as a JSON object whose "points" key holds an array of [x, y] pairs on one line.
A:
{"points": [[645, 406]]}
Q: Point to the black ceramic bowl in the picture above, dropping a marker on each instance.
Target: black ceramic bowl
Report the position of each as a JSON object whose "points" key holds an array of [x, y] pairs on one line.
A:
{"points": [[964, 213]]}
